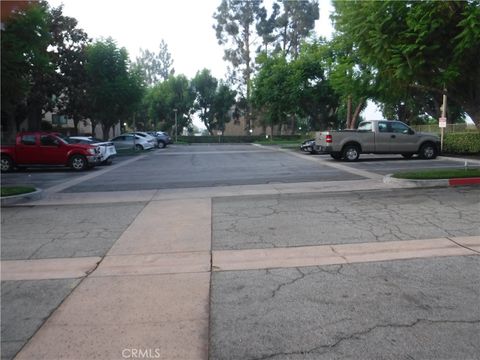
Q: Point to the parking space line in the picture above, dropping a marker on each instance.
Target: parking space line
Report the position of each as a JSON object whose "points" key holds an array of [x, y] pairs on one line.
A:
{"points": [[92, 175]]}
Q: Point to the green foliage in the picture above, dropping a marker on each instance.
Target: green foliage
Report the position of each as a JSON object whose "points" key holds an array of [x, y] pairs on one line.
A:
{"points": [[234, 139], [163, 98], [438, 174], [16, 190], [417, 48], [462, 143], [25, 65], [113, 91]]}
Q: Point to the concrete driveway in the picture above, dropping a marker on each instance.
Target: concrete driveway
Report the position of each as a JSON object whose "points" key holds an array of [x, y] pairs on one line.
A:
{"points": [[337, 265]]}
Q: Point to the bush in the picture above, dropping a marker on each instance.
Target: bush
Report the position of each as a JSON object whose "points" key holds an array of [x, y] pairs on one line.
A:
{"points": [[462, 143], [234, 139]]}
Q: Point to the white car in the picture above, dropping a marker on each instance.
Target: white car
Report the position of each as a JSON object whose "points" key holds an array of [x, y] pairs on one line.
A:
{"points": [[107, 148], [130, 141], [151, 139]]}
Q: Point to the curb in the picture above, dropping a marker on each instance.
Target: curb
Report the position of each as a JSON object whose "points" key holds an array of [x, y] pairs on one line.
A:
{"points": [[15, 199], [388, 179]]}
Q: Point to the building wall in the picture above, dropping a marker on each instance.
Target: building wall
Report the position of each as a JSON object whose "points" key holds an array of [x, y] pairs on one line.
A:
{"points": [[84, 127]]}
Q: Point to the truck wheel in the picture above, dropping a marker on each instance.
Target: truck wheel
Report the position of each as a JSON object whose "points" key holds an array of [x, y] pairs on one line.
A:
{"points": [[428, 151], [351, 153], [6, 163], [336, 155], [78, 162]]}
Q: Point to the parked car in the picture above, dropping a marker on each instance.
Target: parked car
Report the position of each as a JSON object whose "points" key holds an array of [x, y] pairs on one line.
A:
{"points": [[151, 139], [107, 148], [309, 146], [130, 141], [32, 149], [163, 139], [377, 137]]}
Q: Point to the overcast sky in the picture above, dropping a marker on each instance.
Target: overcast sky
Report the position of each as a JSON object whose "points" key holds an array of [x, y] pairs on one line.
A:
{"points": [[185, 25]]}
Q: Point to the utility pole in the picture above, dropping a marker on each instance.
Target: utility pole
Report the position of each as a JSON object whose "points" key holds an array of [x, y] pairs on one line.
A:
{"points": [[176, 131]]}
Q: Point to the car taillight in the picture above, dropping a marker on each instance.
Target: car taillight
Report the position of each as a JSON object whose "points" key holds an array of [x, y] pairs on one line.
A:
{"points": [[328, 138]]}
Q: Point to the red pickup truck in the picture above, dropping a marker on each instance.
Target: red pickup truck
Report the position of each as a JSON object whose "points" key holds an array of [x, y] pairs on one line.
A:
{"points": [[33, 149]]}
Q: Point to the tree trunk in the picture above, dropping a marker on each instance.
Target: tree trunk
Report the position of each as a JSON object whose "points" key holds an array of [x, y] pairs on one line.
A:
{"points": [[357, 113], [349, 111]]}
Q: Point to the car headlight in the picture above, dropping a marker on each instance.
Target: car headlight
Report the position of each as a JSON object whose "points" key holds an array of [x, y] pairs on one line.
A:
{"points": [[92, 151]]}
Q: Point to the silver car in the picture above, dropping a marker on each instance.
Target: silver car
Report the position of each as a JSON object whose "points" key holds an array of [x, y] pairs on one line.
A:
{"points": [[151, 139], [163, 139], [130, 141]]}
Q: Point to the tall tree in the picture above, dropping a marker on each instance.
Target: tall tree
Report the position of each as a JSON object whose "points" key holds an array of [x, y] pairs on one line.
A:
{"points": [[235, 28], [173, 94], [27, 69], [155, 66], [69, 56], [427, 46], [213, 101], [113, 92]]}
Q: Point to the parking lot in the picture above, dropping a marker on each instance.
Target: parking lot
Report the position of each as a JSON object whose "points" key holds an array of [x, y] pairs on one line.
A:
{"points": [[241, 252]]}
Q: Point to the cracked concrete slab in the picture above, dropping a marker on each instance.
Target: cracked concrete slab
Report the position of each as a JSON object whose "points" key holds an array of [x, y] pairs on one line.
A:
{"points": [[341, 218], [228, 260], [45, 269], [405, 309], [42, 232], [25, 306]]}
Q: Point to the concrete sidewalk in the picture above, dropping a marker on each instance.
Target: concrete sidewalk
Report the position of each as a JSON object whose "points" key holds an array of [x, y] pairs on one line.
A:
{"points": [[150, 294]]}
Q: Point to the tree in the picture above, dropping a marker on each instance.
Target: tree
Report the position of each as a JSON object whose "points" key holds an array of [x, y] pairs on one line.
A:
{"points": [[421, 46], [113, 92], [69, 57], [214, 101], [174, 93], [295, 24], [155, 66], [25, 66], [235, 26]]}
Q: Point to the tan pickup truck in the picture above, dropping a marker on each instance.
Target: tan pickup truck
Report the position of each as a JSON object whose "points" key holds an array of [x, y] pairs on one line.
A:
{"points": [[377, 137]]}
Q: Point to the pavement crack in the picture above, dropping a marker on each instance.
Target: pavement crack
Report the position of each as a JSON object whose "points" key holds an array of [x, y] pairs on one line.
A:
{"points": [[280, 286]]}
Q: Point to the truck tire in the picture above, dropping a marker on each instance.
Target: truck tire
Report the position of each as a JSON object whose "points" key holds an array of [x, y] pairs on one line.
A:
{"points": [[78, 162], [336, 155], [351, 153], [428, 151], [6, 163]]}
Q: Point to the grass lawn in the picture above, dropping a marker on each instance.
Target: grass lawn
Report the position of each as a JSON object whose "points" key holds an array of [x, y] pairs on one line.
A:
{"points": [[438, 174], [16, 190]]}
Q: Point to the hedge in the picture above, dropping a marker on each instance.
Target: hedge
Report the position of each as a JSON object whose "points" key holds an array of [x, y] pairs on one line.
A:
{"points": [[462, 143], [234, 139]]}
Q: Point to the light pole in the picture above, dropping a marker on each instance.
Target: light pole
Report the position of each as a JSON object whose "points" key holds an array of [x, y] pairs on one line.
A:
{"points": [[176, 131]]}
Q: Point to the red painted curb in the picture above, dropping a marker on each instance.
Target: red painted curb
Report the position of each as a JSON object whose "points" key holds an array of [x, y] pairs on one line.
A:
{"points": [[463, 181]]}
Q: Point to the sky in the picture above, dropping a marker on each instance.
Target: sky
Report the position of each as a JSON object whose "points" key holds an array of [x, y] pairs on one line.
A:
{"points": [[185, 25]]}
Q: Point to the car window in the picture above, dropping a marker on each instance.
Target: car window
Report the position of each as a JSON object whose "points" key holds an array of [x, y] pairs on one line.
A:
{"points": [[399, 128], [28, 140], [382, 127], [47, 140], [365, 126]]}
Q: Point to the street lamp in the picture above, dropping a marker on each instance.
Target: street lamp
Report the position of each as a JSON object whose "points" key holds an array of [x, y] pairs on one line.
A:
{"points": [[176, 131]]}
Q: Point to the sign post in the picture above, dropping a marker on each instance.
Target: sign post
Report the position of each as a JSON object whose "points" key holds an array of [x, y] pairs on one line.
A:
{"points": [[442, 123]]}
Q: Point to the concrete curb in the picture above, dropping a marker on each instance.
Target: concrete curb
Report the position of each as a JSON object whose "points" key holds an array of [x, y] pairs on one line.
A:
{"points": [[388, 179], [15, 199]]}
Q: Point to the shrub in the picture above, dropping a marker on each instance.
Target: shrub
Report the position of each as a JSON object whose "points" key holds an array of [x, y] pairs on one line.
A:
{"points": [[234, 139], [462, 143]]}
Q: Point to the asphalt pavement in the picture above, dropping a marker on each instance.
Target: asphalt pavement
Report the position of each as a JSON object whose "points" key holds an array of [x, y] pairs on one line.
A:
{"points": [[240, 252]]}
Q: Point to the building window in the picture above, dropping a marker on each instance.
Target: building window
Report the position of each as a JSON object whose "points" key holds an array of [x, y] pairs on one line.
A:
{"points": [[59, 119]]}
